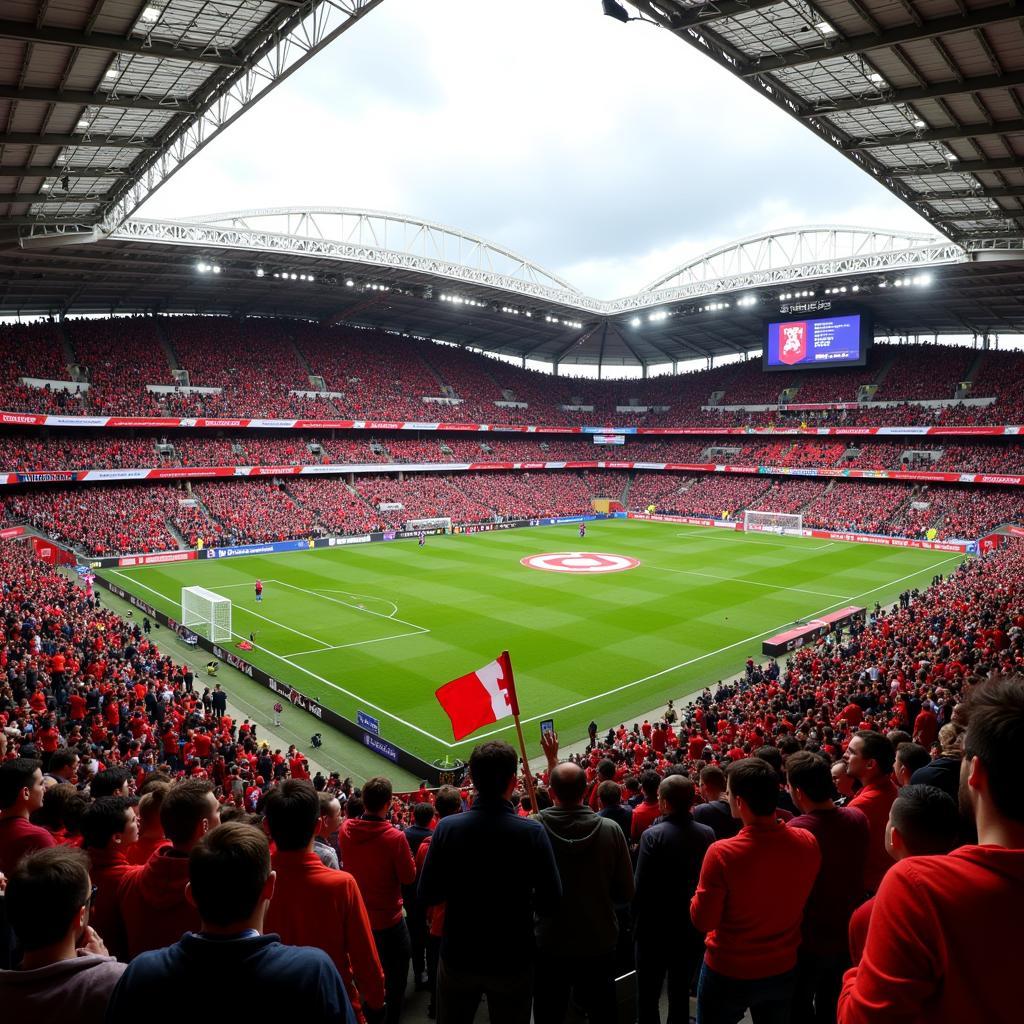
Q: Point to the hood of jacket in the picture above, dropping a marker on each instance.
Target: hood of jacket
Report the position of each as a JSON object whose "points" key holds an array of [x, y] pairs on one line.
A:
{"points": [[163, 877], [575, 827], [367, 830]]}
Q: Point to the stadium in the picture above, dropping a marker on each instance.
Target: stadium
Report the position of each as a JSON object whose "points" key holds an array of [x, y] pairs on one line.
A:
{"points": [[755, 522]]}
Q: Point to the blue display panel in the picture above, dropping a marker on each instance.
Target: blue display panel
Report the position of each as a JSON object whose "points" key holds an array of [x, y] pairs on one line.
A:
{"points": [[822, 341]]}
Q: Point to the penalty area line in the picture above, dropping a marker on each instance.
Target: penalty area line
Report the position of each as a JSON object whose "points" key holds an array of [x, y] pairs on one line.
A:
{"points": [[314, 675], [701, 657], [359, 643]]}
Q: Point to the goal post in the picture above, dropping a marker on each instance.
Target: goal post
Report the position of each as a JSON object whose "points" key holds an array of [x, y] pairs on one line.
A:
{"points": [[787, 523], [206, 613]]}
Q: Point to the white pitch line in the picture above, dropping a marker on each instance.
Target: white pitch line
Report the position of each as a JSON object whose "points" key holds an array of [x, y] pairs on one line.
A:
{"points": [[367, 597], [241, 608], [730, 535], [358, 643], [313, 675], [736, 579], [692, 661], [354, 607]]}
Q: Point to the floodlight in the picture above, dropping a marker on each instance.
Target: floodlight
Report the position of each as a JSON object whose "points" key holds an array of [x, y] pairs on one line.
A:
{"points": [[824, 28], [215, 268], [876, 77], [111, 72], [150, 14], [635, 322], [350, 283], [260, 272], [918, 123]]}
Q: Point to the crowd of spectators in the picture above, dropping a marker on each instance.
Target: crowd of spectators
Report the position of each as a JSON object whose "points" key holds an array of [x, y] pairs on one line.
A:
{"points": [[787, 841], [256, 364]]}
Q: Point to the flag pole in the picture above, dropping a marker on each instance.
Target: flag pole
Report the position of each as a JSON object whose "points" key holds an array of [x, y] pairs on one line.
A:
{"points": [[530, 788]]}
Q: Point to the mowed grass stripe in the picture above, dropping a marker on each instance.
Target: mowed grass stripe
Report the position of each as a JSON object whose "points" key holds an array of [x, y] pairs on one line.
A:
{"points": [[571, 637]]}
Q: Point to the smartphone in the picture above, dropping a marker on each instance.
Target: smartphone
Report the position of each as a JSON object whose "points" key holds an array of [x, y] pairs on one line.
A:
{"points": [[548, 725]]}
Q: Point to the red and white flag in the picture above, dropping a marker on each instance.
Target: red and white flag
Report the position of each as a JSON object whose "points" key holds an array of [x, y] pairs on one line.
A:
{"points": [[480, 698]]}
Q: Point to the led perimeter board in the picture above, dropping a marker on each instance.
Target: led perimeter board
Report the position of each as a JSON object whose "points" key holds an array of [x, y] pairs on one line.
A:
{"points": [[842, 339]]}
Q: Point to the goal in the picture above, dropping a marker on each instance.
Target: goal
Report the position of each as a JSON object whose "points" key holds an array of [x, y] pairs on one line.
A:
{"points": [[206, 613], [787, 523]]}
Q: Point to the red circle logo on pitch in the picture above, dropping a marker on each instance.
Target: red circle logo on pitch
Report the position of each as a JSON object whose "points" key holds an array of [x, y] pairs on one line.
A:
{"points": [[584, 563]]}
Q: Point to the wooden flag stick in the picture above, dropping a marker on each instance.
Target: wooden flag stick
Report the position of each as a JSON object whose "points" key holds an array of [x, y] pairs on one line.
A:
{"points": [[526, 766], [531, 791]]}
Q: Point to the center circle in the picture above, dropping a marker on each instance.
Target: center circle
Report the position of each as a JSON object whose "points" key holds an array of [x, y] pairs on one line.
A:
{"points": [[580, 562]]}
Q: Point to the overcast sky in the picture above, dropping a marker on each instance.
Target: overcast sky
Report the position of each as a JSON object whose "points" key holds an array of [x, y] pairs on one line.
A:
{"points": [[607, 153]]}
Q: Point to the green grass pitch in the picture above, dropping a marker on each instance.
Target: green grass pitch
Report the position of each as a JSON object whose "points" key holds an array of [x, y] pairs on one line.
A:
{"points": [[378, 627]]}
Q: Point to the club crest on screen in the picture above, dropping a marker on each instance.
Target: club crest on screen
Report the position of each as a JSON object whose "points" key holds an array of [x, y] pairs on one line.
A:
{"points": [[792, 342]]}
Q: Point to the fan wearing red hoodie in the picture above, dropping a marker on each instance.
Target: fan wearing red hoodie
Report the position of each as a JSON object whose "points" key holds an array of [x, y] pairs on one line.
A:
{"points": [[314, 905], [379, 857], [945, 934], [750, 900], [152, 906], [109, 829], [870, 758], [151, 832]]}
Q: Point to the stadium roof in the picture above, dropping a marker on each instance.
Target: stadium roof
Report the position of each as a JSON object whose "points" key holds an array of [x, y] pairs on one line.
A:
{"points": [[102, 100], [924, 95], [381, 270]]}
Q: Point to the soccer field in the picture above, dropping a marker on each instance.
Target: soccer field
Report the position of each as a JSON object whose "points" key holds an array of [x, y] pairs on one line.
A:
{"points": [[378, 627]]}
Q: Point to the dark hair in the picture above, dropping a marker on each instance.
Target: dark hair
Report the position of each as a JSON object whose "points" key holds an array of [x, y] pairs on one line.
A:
{"points": [[184, 807], [376, 794], [877, 748], [811, 774], [678, 792], [108, 783], [45, 892], [15, 775], [353, 807], [609, 793], [755, 780], [63, 807], [63, 758], [713, 776], [228, 868], [606, 768], [927, 818], [649, 783], [292, 808], [568, 782], [152, 799], [423, 814], [912, 756], [448, 801], [493, 765], [995, 736], [104, 819], [898, 736], [772, 755]]}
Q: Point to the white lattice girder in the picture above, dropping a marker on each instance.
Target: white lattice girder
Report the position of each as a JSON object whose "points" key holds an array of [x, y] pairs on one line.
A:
{"points": [[520, 277], [313, 25]]}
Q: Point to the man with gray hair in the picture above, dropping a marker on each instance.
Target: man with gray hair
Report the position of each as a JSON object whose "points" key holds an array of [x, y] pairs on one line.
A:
{"points": [[577, 941]]}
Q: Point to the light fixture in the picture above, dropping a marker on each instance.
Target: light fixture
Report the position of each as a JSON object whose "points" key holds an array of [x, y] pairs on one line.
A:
{"points": [[918, 123], [855, 288], [111, 72], [260, 272], [876, 77], [635, 322], [824, 28], [215, 268], [150, 14], [349, 283], [82, 124]]}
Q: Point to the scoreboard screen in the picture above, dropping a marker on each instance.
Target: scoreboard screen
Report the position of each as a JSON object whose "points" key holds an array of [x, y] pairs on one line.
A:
{"points": [[821, 342]]}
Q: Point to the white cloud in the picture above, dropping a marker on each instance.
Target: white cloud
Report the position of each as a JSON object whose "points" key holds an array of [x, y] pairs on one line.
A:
{"points": [[606, 152]]}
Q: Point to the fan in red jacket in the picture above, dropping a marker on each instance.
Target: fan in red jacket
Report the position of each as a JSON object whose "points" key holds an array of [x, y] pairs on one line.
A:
{"points": [[379, 857], [109, 829], [152, 907], [314, 905], [945, 934]]}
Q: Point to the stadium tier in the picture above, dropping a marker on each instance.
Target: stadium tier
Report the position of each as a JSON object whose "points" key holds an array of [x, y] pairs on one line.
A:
{"points": [[217, 367]]}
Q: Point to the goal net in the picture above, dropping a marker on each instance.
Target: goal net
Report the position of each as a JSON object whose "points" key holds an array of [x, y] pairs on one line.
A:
{"points": [[429, 524], [206, 613], [787, 523]]}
